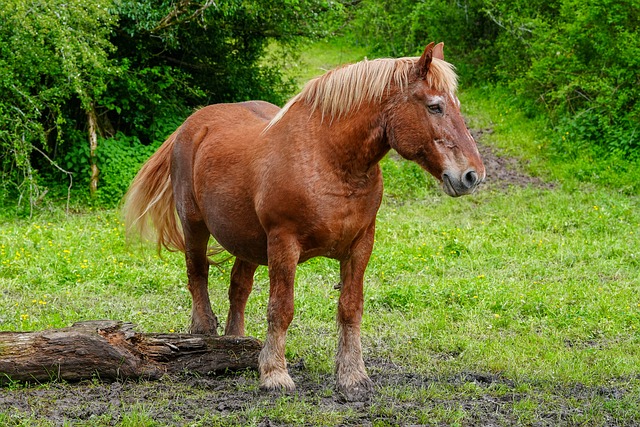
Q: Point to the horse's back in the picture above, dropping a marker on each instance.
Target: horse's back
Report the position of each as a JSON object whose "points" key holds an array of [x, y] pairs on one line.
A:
{"points": [[262, 109], [248, 116]]}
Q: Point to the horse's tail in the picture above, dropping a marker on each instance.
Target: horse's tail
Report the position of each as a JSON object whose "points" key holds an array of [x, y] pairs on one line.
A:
{"points": [[149, 202]]}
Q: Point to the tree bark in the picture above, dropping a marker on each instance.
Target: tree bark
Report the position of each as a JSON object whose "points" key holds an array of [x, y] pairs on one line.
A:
{"points": [[112, 350], [93, 146]]}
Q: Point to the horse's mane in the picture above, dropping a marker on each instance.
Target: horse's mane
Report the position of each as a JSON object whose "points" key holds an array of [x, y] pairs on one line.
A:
{"points": [[343, 89]]}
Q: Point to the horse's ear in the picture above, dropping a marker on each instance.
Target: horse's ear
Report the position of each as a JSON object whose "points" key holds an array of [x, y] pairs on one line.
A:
{"points": [[438, 51], [425, 60]]}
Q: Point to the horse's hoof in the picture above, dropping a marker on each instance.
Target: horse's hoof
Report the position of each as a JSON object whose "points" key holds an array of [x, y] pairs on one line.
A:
{"points": [[360, 391], [277, 381], [208, 327]]}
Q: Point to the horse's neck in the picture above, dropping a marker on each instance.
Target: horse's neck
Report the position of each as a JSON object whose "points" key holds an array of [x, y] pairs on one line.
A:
{"points": [[355, 142]]}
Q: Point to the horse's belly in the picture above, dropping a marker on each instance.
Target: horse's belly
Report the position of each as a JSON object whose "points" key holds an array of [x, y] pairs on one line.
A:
{"points": [[242, 235], [223, 188], [235, 226]]}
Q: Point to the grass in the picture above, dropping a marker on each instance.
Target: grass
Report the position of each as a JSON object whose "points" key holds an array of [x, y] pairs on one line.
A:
{"points": [[321, 56], [554, 155], [521, 303]]}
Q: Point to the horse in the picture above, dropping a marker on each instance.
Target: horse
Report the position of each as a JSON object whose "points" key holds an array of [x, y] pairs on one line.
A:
{"points": [[276, 187]]}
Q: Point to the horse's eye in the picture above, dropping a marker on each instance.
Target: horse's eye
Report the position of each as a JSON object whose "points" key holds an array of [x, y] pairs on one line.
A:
{"points": [[435, 108]]}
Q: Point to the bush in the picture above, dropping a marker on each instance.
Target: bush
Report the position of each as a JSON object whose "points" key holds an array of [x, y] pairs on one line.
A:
{"points": [[576, 61], [581, 63], [118, 158], [132, 71]]}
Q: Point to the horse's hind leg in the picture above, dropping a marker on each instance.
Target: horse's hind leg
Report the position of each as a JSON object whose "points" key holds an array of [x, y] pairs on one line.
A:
{"points": [[239, 290], [203, 321], [351, 376], [196, 233]]}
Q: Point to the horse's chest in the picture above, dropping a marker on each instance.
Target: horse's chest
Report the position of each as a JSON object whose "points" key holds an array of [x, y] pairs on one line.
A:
{"points": [[325, 212], [336, 224]]}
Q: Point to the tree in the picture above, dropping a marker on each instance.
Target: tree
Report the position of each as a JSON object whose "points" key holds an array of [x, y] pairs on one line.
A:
{"points": [[124, 74], [52, 53]]}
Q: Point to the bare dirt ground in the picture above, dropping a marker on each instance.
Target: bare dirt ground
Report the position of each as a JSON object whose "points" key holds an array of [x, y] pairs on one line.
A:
{"points": [[193, 400], [503, 172]]}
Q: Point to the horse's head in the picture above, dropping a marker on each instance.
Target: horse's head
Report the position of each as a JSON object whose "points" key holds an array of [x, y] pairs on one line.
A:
{"points": [[425, 125]]}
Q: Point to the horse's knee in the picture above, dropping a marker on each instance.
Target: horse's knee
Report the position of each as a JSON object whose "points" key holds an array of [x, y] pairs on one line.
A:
{"points": [[350, 311]]}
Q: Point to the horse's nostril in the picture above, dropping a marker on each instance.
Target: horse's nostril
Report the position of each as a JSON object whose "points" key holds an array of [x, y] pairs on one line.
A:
{"points": [[470, 178]]}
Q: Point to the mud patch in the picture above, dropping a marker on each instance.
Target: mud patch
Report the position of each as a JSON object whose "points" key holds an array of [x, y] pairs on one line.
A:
{"points": [[503, 171], [402, 397]]}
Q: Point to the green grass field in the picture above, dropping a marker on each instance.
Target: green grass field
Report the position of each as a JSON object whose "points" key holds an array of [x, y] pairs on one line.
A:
{"points": [[536, 289]]}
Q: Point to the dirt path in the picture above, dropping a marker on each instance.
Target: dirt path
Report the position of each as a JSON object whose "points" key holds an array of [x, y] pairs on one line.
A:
{"points": [[503, 172]]}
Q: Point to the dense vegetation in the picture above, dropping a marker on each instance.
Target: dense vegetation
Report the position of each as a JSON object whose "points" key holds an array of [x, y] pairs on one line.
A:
{"points": [[102, 84], [89, 91], [576, 62]]}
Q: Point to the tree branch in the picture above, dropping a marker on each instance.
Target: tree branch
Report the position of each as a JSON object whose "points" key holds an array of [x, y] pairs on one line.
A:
{"points": [[173, 18], [69, 174]]}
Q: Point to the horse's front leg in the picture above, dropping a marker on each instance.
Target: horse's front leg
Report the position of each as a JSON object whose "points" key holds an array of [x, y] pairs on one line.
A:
{"points": [[351, 377], [283, 253]]}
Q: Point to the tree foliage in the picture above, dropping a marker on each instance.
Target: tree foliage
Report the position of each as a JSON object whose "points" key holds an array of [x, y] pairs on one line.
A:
{"points": [[131, 71], [138, 69], [578, 61], [51, 53]]}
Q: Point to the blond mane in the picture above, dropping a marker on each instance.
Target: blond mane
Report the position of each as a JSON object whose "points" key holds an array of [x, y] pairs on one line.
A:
{"points": [[343, 89]]}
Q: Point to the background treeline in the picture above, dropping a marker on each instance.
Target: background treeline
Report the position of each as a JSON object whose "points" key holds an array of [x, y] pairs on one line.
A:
{"points": [[576, 61], [89, 90], [92, 88]]}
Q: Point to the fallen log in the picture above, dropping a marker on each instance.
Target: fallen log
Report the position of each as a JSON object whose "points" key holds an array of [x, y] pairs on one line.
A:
{"points": [[112, 350]]}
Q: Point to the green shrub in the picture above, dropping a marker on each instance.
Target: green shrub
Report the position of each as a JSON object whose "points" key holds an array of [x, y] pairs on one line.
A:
{"points": [[576, 61], [118, 158], [581, 64]]}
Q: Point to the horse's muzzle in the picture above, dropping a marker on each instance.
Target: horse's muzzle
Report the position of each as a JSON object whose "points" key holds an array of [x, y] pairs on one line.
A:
{"points": [[466, 183]]}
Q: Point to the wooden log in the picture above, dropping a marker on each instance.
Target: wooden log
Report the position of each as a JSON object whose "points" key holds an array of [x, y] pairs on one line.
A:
{"points": [[112, 350]]}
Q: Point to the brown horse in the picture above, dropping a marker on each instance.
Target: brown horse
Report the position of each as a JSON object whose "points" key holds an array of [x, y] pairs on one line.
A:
{"points": [[277, 187]]}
